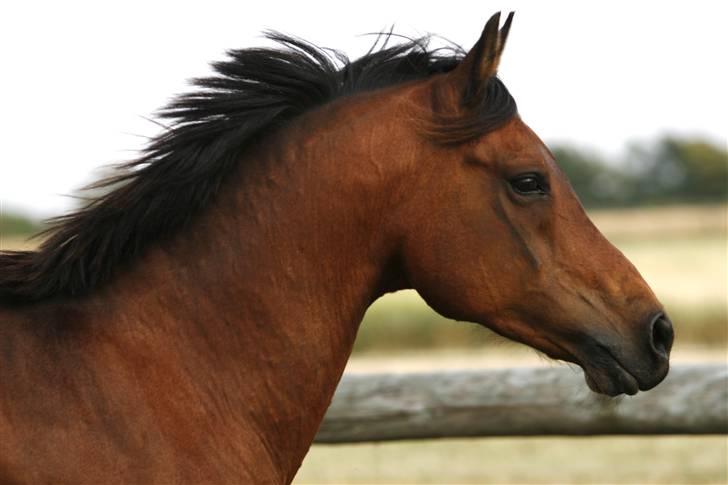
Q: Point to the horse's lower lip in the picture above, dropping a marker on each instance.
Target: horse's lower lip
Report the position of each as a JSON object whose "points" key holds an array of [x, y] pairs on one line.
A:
{"points": [[605, 373], [612, 382]]}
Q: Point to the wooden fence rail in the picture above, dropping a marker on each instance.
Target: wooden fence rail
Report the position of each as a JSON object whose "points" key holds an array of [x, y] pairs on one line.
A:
{"points": [[521, 402]]}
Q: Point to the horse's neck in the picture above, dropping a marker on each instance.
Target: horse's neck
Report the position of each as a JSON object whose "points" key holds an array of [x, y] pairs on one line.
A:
{"points": [[261, 299]]}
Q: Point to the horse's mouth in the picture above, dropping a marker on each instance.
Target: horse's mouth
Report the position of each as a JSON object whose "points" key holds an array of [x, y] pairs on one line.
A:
{"points": [[606, 374], [611, 380]]}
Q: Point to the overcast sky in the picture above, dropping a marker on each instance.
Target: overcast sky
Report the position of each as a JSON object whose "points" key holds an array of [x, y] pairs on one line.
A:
{"points": [[78, 79]]}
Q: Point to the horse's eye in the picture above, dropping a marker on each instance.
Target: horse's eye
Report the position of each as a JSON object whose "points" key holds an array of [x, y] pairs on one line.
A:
{"points": [[530, 184]]}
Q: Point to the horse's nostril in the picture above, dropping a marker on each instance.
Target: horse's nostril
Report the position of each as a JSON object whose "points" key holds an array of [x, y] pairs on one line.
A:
{"points": [[662, 334]]}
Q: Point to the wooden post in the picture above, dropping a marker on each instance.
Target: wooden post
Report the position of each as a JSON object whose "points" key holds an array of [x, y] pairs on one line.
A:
{"points": [[521, 402]]}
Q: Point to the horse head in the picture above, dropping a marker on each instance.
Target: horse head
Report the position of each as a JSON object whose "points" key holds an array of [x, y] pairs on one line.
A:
{"points": [[496, 235]]}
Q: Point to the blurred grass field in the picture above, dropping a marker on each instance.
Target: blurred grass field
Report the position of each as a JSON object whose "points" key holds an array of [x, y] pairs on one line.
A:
{"points": [[602, 460]]}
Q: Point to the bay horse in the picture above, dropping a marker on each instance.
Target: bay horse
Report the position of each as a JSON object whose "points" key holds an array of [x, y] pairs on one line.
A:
{"points": [[191, 324]]}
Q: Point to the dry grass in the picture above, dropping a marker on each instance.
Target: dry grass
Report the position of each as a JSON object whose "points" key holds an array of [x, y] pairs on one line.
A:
{"points": [[17, 243], [499, 357], [663, 222], [602, 460]]}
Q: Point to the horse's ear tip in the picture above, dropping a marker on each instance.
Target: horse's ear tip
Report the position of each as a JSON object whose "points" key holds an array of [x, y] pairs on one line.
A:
{"points": [[495, 19], [509, 19]]}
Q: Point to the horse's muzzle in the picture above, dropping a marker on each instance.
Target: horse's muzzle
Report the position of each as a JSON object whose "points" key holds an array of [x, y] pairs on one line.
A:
{"points": [[615, 368]]}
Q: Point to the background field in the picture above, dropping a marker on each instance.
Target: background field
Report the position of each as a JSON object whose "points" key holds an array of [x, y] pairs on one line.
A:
{"points": [[673, 460]]}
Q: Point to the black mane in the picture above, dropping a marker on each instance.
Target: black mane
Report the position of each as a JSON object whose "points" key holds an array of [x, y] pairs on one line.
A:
{"points": [[181, 170]]}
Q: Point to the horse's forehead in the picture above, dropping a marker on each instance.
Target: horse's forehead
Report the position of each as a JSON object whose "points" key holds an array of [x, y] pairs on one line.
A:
{"points": [[514, 140]]}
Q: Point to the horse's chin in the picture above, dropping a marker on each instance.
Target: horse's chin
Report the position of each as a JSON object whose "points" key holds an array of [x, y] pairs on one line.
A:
{"points": [[612, 380]]}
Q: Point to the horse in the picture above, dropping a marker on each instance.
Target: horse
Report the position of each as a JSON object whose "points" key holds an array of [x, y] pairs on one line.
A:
{"points": [[191, 322]]}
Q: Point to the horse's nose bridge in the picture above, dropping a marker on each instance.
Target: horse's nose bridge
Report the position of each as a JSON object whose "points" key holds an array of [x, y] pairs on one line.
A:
{"points": [[609, 281], [625, 282], [625, 295]]}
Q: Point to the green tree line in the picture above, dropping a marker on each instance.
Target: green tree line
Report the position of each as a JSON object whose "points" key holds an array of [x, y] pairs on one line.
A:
{"points": [[12, 224], [668, 170]]}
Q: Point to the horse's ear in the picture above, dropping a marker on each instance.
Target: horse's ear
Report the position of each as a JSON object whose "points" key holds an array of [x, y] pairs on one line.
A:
{"points": [[481, 62]]}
